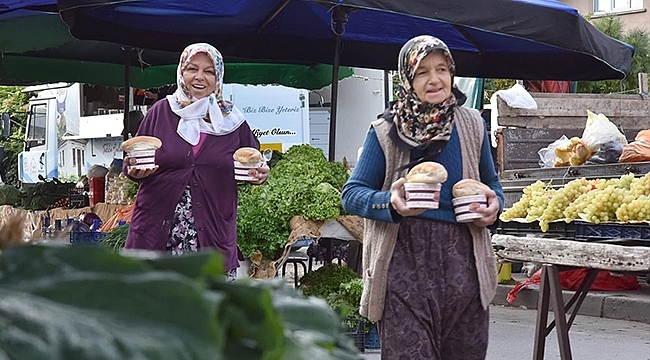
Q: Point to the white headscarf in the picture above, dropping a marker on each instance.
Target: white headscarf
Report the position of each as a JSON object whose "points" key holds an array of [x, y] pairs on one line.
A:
{"points": [[224, 116]]}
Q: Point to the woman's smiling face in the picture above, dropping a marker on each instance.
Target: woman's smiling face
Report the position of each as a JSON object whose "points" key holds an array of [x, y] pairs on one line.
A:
{"points": [[199, 76], [432, 79]]}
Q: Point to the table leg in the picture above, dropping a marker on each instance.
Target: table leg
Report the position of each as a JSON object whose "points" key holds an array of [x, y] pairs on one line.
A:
{"points": [[542, 317], [328, 249], [562, 329], [577, 298]]}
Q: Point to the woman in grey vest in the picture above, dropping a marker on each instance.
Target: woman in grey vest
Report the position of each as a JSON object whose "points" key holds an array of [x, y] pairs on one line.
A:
{"points": [[428, 279]]}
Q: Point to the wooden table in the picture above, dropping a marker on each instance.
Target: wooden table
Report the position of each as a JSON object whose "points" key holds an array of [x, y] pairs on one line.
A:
{"points": [[557, 255]]}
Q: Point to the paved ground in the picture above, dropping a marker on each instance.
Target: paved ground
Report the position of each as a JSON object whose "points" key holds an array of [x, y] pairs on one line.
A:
{"points": [[512, 333], [633, 305], [611, 325]]}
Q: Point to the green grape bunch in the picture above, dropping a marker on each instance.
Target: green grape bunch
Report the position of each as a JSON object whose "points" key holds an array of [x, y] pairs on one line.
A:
{"points": [[561, 200], [636, 210], [521, 207]]}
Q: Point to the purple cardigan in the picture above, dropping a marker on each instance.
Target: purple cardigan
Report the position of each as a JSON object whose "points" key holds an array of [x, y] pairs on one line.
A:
{"points": [[210, 175]]}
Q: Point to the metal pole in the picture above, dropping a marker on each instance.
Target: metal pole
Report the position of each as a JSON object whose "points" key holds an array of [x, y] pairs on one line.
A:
{"points": [[127, 93], [339, 17], [387, 87], [334, 101]]}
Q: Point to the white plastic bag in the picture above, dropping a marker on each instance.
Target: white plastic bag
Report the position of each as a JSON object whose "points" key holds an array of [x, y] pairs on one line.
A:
{"points": [[599, 130], [547, 155], [517, 97]]}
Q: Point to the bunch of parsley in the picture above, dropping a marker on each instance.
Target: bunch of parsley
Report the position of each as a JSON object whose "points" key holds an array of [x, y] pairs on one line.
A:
{"points": [[302, 183]]}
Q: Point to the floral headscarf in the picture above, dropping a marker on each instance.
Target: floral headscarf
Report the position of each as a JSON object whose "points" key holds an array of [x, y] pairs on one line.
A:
{"points": [[224, 115], [418, 122]]}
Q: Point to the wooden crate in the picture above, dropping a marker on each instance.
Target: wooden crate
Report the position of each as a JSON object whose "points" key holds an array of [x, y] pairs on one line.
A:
{"points": [[525, 131]]}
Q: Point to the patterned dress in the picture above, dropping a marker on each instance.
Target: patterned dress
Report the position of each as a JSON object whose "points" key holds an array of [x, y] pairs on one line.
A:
{"points": [[183, 237]]}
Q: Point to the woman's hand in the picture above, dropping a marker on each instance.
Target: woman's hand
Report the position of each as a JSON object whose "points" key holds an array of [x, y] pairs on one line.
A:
{"points": [[490, 212], [398, 199], [260, 174], [138, 173]]}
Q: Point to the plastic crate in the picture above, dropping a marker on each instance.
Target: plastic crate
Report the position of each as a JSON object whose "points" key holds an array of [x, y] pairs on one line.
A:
{"points": [[556, 229], [589, 231], [356, 330], [86, 237], [372, 338]]}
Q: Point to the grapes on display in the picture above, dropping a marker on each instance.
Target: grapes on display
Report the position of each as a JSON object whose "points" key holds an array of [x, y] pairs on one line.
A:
{"points": [[624, 199]]}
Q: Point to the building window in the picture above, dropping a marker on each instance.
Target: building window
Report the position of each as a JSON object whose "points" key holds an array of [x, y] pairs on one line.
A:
{"points": [[74, 158], [608, 6]]}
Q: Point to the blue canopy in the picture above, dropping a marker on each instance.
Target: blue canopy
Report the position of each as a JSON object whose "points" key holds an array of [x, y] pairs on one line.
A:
{"points": [[36, 47], [522, 39]]}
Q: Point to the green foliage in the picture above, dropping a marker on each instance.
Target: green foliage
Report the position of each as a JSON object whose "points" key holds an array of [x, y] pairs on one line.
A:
{"points": [[340, 286], [303, 162], [73, 178], [302, 183], [324, 194], [493, 85], [14, 102], [640, 39], [132, 189], [106, 306], [116, 238], [326, 280], [44, 194], [10, 195], [347, 298]]}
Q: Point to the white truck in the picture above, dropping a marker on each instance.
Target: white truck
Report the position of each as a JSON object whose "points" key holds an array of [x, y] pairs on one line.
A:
{"points": [[70, 128], [277, 115]]}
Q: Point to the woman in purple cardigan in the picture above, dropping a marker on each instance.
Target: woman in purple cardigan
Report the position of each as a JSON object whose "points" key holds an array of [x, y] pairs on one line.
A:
{"points": [[189, 200]]}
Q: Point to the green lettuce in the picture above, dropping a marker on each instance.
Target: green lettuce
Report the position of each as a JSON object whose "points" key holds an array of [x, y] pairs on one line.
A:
{"points": [[85, 302], [302, 183]]}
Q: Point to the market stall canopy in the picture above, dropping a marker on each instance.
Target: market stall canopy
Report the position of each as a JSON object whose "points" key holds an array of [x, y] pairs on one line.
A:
{"points": [[520, 39], [36, 48]]}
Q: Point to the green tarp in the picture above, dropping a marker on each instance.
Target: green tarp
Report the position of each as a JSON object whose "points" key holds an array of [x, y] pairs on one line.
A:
{"points": [[39, 49], [25, 70]]}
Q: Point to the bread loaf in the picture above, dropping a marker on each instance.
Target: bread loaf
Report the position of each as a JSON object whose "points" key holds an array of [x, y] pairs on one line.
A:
{"points": [[247, 156], [469, 187], [428, 172], [141, 143]]}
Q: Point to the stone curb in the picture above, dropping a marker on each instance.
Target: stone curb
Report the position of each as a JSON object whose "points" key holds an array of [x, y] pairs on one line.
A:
{"points": [[632, 305]]}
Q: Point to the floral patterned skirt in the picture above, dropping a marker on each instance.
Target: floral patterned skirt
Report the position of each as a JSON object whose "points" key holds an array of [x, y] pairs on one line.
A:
{"points": [[183, 237], [433, 310]]}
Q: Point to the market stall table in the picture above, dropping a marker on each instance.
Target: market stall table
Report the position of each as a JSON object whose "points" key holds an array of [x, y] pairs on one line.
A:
{"points": [[618, 255]]}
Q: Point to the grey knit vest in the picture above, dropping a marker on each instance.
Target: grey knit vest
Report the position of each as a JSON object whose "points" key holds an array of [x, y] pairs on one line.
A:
{"points": [[380, 237]]}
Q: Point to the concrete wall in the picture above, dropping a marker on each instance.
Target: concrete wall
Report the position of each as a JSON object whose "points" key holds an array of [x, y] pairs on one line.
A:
{"points": [[631, 19]]}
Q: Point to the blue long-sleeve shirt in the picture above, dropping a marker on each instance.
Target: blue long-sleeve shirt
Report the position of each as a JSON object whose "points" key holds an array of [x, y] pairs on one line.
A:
{"points": [[362, 194]]}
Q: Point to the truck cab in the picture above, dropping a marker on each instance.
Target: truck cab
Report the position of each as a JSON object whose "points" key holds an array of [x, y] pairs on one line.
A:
{"points": [[66, 123]]}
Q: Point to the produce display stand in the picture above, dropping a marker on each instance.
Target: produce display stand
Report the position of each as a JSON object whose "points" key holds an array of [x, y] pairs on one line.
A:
{"points": [[579, 231], [556, 255], [35, 221]]}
